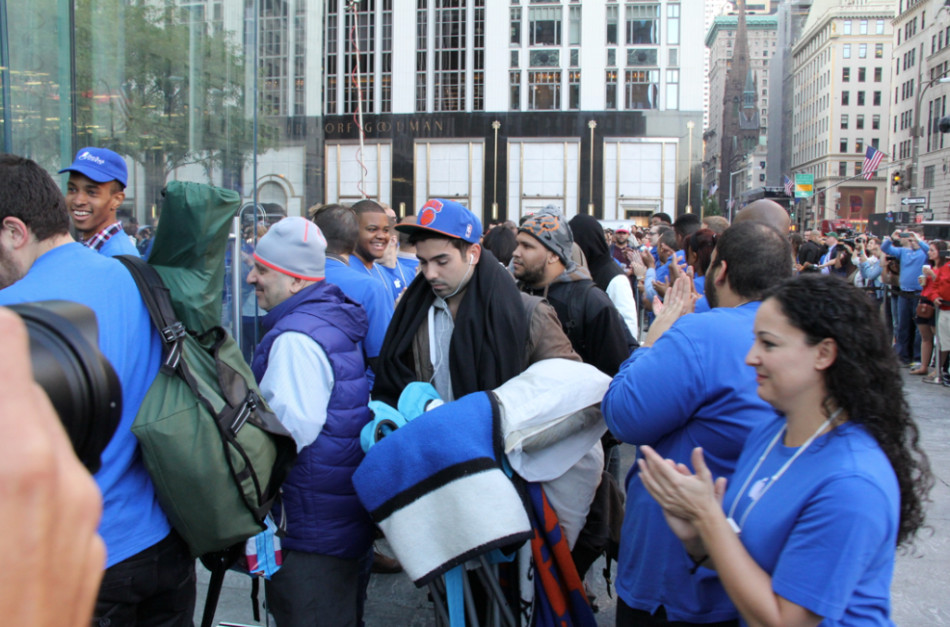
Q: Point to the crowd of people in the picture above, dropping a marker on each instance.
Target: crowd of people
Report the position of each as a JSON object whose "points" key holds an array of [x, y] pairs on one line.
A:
{"points": [[778, 465]]}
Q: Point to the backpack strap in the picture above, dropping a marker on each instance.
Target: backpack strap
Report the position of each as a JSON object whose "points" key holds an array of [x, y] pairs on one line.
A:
{"points": [[158, 301]]}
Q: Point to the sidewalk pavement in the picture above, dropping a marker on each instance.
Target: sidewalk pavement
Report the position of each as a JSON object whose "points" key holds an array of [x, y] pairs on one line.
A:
{"points": [[920, 592]]}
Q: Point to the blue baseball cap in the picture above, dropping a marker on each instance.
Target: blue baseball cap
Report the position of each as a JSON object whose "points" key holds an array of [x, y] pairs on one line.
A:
{"points": [[100, 165], [446, 217]]}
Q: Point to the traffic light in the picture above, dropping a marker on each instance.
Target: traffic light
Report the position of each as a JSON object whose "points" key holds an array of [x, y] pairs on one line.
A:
{"points": [[896, 178], [944, 124], [906, 178]]}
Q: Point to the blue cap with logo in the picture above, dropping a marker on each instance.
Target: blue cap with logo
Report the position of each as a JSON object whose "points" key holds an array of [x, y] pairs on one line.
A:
{"points": [[446, 217], [100, 165]]}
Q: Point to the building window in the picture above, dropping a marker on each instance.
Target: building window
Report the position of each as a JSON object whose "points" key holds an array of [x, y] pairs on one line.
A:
{"points": [[545, 26], [879, 27], [673, 90], [514, 90], [611, 57], [613, 20], [478, 57], [641, 88], [330, 97], [875, 122], [857, 167], [843, 146], [846, 27], [863, 27], [859, 121], [876, 99], [862, 51], [515, 26], [844, 121], [673, 24], [575, 57], [859, 146], [515, 58], [845, 97], [862, 74], [846, 51], [642, 56], [544, 91], [929, 176], [842, 168], [878, 51], [611, 94], [860, 98], [422, 30], [366, 35], [574, 26], [574, 90], [643, 24]]}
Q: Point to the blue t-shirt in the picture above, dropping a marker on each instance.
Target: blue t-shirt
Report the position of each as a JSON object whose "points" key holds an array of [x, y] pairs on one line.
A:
{"points": [[826, 530], [912, 262], [692, 388], [132, 520], [399, 278], [701, 305], [378, 273], [369, 293], [119, 244]]}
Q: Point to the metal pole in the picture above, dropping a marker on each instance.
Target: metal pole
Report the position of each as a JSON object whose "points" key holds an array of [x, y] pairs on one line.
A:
{"points": [[689, 173], [915, 132]]}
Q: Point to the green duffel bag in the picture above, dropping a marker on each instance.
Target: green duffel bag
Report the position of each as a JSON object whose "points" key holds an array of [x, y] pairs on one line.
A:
{"points": [[216, 453]]}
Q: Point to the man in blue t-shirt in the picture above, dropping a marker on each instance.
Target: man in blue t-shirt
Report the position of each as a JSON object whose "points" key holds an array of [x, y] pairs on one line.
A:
{"points": [[150, 576], [96, 189], [688, 386], [911, 250]]}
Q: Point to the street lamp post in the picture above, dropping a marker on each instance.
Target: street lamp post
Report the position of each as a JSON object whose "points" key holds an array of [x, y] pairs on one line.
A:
{"points": [[689, 175], [732, 202], [916, 131]]}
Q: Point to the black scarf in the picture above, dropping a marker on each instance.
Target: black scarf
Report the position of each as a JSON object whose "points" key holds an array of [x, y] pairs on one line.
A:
{"points": [[589, 235], [488, 343]]}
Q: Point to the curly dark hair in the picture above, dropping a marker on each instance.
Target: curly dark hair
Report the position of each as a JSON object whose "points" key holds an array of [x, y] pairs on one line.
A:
{"points": [[826, 306]]}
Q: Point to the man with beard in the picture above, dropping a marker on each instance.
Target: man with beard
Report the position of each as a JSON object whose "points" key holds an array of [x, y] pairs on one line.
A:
{"points": [[688, 386], [543, 266]]}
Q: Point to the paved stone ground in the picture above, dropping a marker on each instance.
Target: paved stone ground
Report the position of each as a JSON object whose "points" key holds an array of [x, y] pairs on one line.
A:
{"points": [[920, 592]]}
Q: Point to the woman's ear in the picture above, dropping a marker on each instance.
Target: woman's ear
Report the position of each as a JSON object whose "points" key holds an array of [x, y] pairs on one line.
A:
{"points": [[827, 354]]}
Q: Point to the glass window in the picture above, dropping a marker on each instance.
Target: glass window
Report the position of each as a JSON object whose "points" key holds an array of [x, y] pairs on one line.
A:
{"points": [[879, 27], [878, 74], [643, 24], [610, 100], [515, 26], [613, 20], [859, 121], [875, 122], [846, 27], [844, 121], [846, 51], [878, 51], [574, 26], [845, 74], [929, 172], [674, 57], [575, 57], [863, 27], [859, 146], [611, 57], [672, 24], [862, 51], [843, 146], [514, 90], [876, 99], [860, 98], [862, 74], [642, 56], [846, 97], [544, 91], [574, 90], [545, 58], [673, 89], [545, 26], [448, 85], [515, 54], [842, 168], [641, 88]]}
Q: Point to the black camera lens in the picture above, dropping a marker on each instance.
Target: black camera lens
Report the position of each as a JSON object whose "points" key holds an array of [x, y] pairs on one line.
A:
{"points": [[79, 380]]}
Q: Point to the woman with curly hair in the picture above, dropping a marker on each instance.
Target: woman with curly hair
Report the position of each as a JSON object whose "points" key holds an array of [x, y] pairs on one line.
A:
{"points": [[823, 493]]}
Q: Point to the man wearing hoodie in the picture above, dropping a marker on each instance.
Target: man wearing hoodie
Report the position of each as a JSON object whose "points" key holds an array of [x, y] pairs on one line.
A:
{"points": [[543, 266], [311, 371]]}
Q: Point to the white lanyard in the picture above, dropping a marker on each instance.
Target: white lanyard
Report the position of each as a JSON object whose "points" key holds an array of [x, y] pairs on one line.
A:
{"points": [[737, 527]]}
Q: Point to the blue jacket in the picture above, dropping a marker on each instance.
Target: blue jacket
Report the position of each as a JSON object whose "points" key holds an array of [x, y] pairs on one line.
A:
{"points": [[323, 513]]}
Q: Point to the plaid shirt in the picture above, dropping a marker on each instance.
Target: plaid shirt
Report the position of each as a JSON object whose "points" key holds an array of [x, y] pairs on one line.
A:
{"points": [[98, 240]]}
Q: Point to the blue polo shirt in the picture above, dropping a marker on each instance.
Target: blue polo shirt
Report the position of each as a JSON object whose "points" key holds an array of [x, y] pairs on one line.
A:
{"points": [[912, 262], [368, 292], [132, 520], [691, 388]]}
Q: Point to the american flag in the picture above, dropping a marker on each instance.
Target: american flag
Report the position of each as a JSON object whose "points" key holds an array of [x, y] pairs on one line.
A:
{"points": [[872, 159], [789, 191]]}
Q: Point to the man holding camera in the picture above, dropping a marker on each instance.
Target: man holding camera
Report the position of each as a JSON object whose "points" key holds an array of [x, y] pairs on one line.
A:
{"points": [[149, 577], [911, 250]]}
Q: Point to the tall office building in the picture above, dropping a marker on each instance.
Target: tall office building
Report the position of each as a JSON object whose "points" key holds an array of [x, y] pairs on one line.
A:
{"points": [[841, 104], [921, 59]]}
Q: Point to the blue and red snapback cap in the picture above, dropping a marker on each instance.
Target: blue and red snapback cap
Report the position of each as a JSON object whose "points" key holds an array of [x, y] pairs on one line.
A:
{"points": [[446, 217]]}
